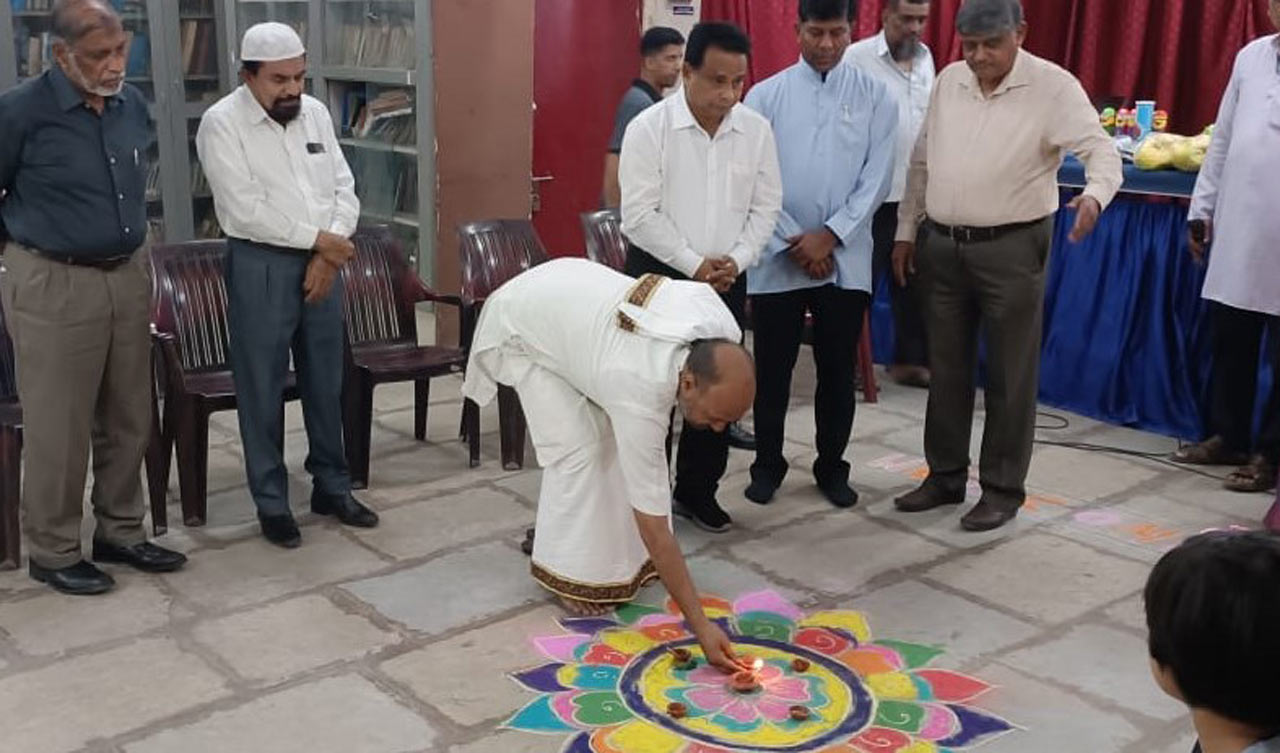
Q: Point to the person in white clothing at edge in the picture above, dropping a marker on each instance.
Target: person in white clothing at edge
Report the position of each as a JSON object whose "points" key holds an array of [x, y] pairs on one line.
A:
{"points": [[285, 197], [1234, 220], [701, 191], [901, 61]]}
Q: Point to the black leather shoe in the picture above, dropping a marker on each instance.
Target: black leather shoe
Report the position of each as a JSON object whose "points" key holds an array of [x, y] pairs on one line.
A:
{"points": [[281, 530], [928, 496], [344, 507], [760, 491], [706, 515], [526, 546], [80, 579], [740, 438], [987, 516], [146, 556], [838, 492]]}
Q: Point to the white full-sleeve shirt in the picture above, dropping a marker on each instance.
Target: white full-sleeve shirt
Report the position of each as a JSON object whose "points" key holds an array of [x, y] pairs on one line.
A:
{"points": [[273, 184], [1239, 183], [688, 196]]}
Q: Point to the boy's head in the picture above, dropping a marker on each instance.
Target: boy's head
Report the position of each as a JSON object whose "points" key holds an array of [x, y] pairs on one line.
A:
{"points": [[1213, 612]]}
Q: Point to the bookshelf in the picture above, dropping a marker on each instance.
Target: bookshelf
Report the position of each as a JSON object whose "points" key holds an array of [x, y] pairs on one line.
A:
{"points": [[369, 60]]}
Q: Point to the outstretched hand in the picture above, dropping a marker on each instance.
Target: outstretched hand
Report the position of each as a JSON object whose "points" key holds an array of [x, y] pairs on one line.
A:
{"points": [[719, 649]]}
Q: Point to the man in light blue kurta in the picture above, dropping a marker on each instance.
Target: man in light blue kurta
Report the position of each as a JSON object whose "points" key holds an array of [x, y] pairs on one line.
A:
{"points": [[836, 130]]}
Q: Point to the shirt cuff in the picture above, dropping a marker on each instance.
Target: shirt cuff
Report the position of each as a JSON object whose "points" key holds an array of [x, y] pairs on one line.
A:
{"points": [[907, 229], [686, 261], [304, 236], [1101, 195], [842, 227], [743, 258]]}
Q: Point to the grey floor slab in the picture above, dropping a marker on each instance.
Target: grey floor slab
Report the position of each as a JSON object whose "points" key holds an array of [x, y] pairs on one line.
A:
{"points": [[453, 591]]}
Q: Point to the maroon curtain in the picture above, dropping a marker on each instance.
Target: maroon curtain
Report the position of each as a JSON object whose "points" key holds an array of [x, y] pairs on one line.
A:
{"points": [[1178, 52]]}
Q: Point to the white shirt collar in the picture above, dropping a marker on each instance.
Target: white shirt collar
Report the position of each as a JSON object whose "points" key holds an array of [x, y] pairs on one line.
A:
{"points": [[682, 117], [250, 108], [882, 48]]}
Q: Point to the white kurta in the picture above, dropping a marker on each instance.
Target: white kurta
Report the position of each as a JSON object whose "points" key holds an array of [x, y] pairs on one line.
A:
{"points": [[595, 357], [1239, 183]]}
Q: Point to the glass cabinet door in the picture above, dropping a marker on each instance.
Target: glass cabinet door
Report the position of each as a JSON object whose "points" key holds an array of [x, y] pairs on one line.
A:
{"points": [[292, 12], [364, 34]]}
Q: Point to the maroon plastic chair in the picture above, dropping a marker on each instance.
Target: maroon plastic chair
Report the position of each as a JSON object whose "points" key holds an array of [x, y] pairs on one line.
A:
{"points": [[493, 252], [380, 294], [189, 318], [10, 453], [605, 242]]}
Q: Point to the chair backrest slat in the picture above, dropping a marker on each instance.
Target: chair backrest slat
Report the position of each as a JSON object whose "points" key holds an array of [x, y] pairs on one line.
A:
{"points": [[189, 300], [605, 242], [494, 251], [375, 289]]}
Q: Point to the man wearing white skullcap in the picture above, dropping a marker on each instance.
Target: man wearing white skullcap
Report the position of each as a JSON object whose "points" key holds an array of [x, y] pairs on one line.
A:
{"points": [[285, 197]]}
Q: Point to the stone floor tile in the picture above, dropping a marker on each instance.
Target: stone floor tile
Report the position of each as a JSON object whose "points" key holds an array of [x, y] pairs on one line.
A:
{"points": [[837, 558], [1130, 613], [1142, 528], [1085, 475], [254, 570], [513, 742], [63, 706], [426, 527], [1102, 662], [943, 524], [1123, 437], [527, 483], [1042, 576], [454, 590], [912, 611], [232, 506], [1052, 720], [52, 623], [336, 715], [330, 635], [477, 664], [15, 583], [797, 498], [1204, 493], [716, 576]]}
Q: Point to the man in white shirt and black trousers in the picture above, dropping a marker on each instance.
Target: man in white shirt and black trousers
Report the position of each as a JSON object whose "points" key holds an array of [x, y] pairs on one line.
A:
{"points": [[701, 191], [285, 197]]}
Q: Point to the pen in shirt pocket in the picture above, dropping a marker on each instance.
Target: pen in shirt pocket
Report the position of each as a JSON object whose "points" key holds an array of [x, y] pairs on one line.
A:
{"points": [[136, 158]]}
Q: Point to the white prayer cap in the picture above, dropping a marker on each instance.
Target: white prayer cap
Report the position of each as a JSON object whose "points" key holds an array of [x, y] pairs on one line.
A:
{"points": [[269, 42]]}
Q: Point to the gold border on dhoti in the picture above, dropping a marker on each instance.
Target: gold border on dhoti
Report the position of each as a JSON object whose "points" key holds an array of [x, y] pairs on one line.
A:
{"points": [[595, 593]]}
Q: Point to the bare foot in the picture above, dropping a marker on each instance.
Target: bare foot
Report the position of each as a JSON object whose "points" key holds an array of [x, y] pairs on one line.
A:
{"points": [[585, 608]]}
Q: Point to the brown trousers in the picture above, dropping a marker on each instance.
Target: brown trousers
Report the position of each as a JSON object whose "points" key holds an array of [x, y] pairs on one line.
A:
{"points": [[81, 342], [996, 288]]}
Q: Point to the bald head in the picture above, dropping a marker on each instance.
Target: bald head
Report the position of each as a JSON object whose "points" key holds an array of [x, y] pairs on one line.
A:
{"points": [[718, 383], [74, 19]]}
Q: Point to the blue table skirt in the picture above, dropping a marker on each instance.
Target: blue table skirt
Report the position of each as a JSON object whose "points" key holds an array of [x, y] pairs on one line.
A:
{"points": [[1127, 337]]}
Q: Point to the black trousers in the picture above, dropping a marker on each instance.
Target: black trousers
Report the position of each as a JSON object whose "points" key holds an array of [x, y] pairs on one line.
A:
{"points": [[779, 324], [910, 344], [703, 453], [1237, 343]]}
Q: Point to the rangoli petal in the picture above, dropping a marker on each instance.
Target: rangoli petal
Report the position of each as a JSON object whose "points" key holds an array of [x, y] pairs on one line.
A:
{"points": [[643, 736], [892, 686], [914, 655], [629, 613], [586, 625], [952, 687], [766, 625], [600, 709], [538, 716], [629, 642], [903, 716], [561, 648], [880, 740], [544, 679], [822, 640], [580, 743], [767, 601], [852, 623], [976, 727]]}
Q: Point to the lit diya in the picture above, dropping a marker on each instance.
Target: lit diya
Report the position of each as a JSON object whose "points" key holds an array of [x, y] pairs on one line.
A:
{"points": [[748, 680]]}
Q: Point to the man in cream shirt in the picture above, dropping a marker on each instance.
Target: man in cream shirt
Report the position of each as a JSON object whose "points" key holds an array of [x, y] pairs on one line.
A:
{"points": [[286, 199]]}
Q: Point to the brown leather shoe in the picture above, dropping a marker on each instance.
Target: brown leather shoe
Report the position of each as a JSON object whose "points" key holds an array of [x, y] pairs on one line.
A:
{"points": [[1212, 451], [987, 516], [927, 496]]}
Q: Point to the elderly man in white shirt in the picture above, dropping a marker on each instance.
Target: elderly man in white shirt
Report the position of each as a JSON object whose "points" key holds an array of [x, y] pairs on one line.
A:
{"points": [[1234, 211], [285, 197], [701, 191], [898, 58], [600, 360]]}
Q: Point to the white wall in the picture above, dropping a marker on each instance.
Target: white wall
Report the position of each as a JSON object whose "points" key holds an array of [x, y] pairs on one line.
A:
{"points": [[662, 13]]}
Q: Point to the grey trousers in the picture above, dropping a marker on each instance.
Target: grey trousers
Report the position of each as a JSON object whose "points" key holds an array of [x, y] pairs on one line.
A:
{"points": [[996, 288], [82, 345], [268, 319]]}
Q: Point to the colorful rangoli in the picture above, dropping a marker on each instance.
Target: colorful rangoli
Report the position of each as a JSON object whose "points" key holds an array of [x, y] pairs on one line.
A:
{"points": [[618, 685]]}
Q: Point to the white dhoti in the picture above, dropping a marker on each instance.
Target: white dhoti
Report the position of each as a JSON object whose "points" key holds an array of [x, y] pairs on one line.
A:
{"points": [[588, 545]]}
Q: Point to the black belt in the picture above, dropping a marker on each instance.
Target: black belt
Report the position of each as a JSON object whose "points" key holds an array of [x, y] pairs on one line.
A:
{"points": [[966, 234], [104, 263]]}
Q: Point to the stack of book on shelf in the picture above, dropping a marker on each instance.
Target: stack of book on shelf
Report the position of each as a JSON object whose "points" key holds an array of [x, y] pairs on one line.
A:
{"points": [[388, 117], [139, 64], [199, 48], [36, 56], [34, 6], [192, 7], [377, 41]]}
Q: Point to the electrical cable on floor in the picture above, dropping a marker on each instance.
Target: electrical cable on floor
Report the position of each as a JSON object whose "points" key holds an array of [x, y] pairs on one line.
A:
{"points": [[1062, 422]]}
